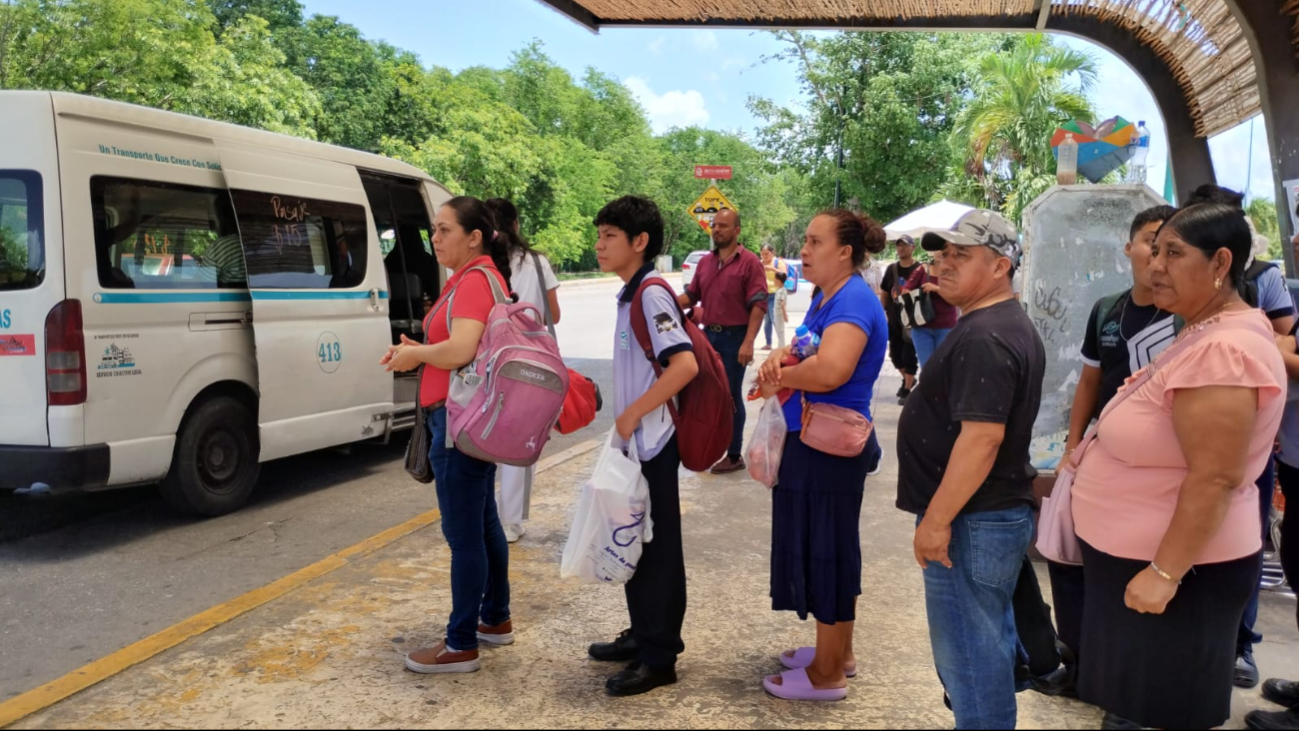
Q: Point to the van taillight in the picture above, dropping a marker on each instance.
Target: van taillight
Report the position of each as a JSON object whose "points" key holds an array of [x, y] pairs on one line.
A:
{"points": [[65, 355]]}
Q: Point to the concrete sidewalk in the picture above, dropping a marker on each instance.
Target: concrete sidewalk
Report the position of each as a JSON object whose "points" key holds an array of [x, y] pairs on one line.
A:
{"points": [[329, 654]]}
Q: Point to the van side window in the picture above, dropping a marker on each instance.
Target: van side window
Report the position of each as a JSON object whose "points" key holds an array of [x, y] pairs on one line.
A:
{"points": [[22, 230], [291, 242], [152, 235]]}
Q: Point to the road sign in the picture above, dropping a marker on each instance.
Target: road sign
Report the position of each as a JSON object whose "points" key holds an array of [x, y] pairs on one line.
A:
{"points": [[713, 172], [707, 206]]}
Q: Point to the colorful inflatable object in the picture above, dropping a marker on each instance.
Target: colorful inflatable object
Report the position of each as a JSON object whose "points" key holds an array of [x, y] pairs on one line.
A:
{"points": [[1101, 149]]}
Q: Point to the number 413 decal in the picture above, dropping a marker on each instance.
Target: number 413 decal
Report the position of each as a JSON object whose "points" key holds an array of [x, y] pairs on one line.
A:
{"points": [[331, 352]]}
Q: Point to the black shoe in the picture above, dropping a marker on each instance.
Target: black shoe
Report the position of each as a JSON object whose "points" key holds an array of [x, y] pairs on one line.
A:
{"points": [[1112, 722], [1288, 719], [902, 391], [1061, 682], [1281, 692], [903, 395], [623, 649], [1246, 671], [639, 678]]}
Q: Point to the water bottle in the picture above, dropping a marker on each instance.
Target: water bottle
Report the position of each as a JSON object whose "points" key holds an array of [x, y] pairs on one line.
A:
{"points": [[1066, 164], [1137, 163], [805, 343]]}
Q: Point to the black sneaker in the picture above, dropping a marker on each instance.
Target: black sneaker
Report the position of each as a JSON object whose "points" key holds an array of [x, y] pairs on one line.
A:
{"points": [[902, 391], [903, 395], [623, 649], [639, 678], [1269, 720], [1246, 671], [1282, 692]]}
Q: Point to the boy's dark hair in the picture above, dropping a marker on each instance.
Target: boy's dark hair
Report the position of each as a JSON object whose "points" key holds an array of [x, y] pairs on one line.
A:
{"points": [[1210, 193], [635, 215], [1158, 214], [781, 277]]}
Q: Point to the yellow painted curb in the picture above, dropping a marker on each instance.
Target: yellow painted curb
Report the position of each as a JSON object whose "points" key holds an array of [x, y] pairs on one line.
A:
{"points": [[78, 680], [38, 699]]}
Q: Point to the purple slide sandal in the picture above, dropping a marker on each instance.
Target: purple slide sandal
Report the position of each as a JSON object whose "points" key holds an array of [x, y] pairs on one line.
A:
{"points": [[795, 686], [803, 658]]}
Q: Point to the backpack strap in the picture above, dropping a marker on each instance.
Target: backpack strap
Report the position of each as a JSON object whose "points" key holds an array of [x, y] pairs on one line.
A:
{"points": [[1105, 308], [641, 330], [497, 292], [545, 294]]}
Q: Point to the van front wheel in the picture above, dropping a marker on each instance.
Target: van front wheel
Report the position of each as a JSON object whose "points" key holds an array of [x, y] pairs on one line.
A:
{"points": [[215, 466]]}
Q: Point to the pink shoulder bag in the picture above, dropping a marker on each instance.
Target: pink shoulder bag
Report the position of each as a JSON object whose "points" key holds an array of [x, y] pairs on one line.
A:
{"points": [[834, 429], [1056, 538]]}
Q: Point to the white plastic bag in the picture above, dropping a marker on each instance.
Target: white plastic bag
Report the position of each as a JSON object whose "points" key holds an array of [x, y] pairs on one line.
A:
{"points": [[767, 445], [612, 519]]}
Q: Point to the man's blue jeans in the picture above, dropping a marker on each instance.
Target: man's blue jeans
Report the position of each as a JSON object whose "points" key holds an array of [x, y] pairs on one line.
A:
{"points": [[769, 318], [927, 340], [727, 344], [480, 557], [971, 617]]}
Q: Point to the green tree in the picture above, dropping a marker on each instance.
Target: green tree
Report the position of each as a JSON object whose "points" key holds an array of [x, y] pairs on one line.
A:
{"points": [[351, 77], [279, 15], [1262, 211], [1021, 95]]}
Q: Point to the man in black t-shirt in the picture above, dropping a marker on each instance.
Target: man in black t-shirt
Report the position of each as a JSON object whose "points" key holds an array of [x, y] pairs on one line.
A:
{"points": [[901, 350], [964, 470]]}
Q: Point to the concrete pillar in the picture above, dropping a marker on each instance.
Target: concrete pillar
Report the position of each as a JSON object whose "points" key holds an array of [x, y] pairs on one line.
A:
{"points": [[1268, 30]]}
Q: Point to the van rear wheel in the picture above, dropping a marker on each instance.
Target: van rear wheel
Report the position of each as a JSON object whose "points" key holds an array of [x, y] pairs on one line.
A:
{"points": [[215, 466]]}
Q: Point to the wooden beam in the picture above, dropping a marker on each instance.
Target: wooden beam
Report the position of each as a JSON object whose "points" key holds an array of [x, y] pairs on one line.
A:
{"points": [[1043, 13], [575, 12]]}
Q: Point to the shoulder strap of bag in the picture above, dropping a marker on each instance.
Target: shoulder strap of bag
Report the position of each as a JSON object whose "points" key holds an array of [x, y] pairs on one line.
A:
{"points": [[641, 330], [545, 294], [497, 292], [1107, 305]]}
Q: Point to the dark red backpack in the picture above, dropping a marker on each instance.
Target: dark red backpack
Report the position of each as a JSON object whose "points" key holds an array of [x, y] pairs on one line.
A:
{"points": [[705, 418]]}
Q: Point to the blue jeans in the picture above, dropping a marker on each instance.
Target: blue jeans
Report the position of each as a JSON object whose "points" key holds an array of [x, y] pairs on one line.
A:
{"points": [[1246, 637], [927, 340], [480, 557], [971, 615], [727, 344], [769, 319]]}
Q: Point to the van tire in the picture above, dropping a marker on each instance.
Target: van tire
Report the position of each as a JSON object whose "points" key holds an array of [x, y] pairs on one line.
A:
{"points": [[215, 466]]}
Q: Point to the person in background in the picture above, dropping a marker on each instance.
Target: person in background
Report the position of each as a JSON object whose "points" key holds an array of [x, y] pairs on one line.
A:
{"points": [[1124, 333], [466, 241], [780, 311], [872, 274], [1263, 287], [772, 266], [1278, 690], [629, 238], [816, 561], [964, 468], [729, 282], [1163, 507], [928, 337], [534, 281], [902, 352]]}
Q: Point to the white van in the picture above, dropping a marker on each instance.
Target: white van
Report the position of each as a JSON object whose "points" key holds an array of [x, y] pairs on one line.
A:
{"points": [[182, 299]]}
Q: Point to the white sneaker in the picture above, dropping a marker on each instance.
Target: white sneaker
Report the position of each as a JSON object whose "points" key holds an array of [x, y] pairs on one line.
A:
{"points": [[513, 533]]}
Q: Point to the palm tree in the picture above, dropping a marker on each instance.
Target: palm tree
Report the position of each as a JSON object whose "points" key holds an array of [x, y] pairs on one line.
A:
{"points": [[1020, 96]]}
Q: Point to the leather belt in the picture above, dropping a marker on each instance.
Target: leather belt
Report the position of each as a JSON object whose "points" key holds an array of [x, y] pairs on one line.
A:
{"points": [[726, 328]]}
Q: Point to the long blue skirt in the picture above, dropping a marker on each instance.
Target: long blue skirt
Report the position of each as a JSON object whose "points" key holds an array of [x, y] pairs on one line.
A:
{"points": [[815, 533]]}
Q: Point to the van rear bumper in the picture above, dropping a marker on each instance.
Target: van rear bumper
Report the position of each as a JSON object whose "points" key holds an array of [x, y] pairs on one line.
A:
{"points": [[62, 468]]}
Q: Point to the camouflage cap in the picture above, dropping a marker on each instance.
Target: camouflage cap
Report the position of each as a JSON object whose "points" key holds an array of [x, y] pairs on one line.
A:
{"points": [[978, 228]]}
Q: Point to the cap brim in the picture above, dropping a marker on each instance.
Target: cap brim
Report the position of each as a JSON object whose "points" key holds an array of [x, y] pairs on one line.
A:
{"points": [[938, 240]]}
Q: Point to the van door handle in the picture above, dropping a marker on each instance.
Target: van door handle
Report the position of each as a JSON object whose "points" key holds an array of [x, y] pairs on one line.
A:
{"points": [[374, 300]]}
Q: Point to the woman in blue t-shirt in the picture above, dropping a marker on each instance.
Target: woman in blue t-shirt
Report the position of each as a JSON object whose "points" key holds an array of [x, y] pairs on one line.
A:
{"points": [[815, 541]]}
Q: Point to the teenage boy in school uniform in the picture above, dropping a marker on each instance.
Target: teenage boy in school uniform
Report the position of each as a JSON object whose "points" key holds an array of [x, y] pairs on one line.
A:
{"points": [[630, 236]]}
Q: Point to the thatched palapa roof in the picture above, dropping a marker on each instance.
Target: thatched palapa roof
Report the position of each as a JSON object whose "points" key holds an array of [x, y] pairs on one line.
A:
{"points": [[1199, 39]]}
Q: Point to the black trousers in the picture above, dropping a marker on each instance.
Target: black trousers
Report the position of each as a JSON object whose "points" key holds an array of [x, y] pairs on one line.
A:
{"points": [[902, 352], [1068, 593], [656, 594], [1289, 477], [1033, 622]]}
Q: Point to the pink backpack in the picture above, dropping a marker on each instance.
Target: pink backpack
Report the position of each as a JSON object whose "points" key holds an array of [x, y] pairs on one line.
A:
{"points": [[502, 406]]}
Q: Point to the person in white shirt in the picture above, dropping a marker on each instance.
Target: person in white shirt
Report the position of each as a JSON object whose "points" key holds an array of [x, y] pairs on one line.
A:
{"points": [[533, 280]]}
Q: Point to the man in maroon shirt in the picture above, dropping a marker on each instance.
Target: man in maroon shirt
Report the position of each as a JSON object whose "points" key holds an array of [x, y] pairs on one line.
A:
{"points": [[732, 285]]}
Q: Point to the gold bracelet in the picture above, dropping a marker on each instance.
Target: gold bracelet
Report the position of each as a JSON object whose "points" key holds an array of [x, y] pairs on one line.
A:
{"points": [[1163, 574]]}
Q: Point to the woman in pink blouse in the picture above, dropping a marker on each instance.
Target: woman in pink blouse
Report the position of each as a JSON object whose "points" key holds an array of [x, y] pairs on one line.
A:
{"points": [[1164, 501]]}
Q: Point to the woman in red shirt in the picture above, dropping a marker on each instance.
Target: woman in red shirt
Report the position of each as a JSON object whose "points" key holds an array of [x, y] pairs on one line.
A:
{"points": [[466, 241]]}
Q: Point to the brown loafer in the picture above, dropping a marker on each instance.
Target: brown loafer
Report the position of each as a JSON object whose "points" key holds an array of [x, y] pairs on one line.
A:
{"points": [[501, 634], [728, 465], [439, 659]]}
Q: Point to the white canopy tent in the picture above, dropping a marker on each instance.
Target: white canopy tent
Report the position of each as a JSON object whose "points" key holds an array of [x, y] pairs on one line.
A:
{"points": [[939, 216]]}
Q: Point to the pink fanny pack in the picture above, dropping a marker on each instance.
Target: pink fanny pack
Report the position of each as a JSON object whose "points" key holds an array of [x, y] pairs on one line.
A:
{"points": [[834, 429]]}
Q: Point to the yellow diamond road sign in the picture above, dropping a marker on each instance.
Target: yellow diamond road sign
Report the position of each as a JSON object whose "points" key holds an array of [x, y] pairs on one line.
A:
{"points": [[707, 206]]}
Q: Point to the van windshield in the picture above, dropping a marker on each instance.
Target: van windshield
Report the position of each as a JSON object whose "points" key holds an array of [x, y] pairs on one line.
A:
{"points": [[22, 230]]}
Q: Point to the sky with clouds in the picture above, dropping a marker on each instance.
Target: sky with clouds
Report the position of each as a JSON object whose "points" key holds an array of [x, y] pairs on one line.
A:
{"points": [[704, 77]]}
